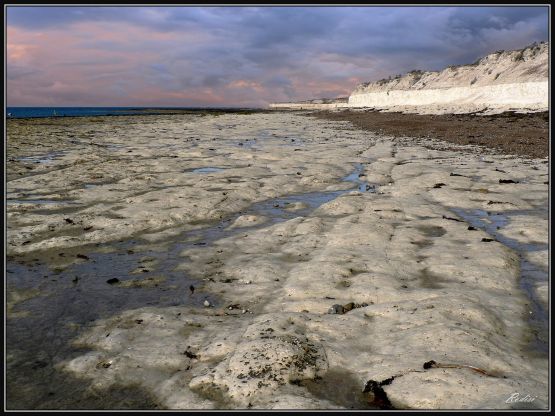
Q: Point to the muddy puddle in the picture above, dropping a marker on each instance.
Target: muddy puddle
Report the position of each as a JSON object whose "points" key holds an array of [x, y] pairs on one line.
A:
{"points": [[249, 144], [341, 388], [358, 177], [208, 169], [46, 158]]}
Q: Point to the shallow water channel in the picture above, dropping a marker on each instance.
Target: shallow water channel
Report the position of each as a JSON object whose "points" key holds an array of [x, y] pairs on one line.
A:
{"points": [[530, 273]]}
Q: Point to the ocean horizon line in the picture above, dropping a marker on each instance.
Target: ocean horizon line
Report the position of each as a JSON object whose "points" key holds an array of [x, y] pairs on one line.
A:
{"points": [[118, 106], [89, 111]]}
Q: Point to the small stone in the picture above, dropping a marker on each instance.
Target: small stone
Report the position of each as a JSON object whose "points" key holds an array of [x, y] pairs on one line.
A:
{"points": [[103, 364], [112, 281], [336, 309], [190, 355], [349, 306], [206, 304]]}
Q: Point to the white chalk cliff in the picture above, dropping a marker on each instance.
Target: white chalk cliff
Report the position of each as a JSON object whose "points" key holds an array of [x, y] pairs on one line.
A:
{"points": [[501, 81]]}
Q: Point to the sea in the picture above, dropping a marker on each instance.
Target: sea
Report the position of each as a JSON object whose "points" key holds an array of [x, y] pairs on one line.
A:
{"points": [[33, 112]]}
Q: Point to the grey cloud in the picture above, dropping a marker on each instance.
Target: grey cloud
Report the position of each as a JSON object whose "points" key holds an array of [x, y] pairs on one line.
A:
{"points": [[214, 81], [162, 18], [14, 72], [36, 17]]}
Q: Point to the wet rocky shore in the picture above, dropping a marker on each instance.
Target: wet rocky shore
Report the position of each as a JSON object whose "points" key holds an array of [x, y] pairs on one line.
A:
{"points": [[271, 260]]}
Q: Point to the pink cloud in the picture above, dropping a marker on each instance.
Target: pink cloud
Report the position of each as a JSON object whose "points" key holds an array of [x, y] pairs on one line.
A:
{"points": [[58, 56], [111, 63]]}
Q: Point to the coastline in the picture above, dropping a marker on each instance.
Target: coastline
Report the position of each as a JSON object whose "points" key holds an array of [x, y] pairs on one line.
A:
{"points": [[509, 133], [264, 215], [30, 113]]}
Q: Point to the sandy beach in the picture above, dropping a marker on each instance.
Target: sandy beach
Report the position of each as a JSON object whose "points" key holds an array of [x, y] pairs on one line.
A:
{"points": [[276, 260]]}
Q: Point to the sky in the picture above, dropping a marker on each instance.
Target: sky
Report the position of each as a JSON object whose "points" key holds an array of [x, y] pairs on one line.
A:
{"points": [[241, 56]]}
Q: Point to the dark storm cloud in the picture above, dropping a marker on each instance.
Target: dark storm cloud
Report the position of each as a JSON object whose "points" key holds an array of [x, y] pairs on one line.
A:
{"points": [[255, 54], [494, 17], [165, 18], [32, 17]]}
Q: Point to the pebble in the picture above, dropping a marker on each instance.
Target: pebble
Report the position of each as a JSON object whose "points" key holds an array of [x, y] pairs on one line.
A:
{"points": [[206, 304], [342, 309], [336, 309]]}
